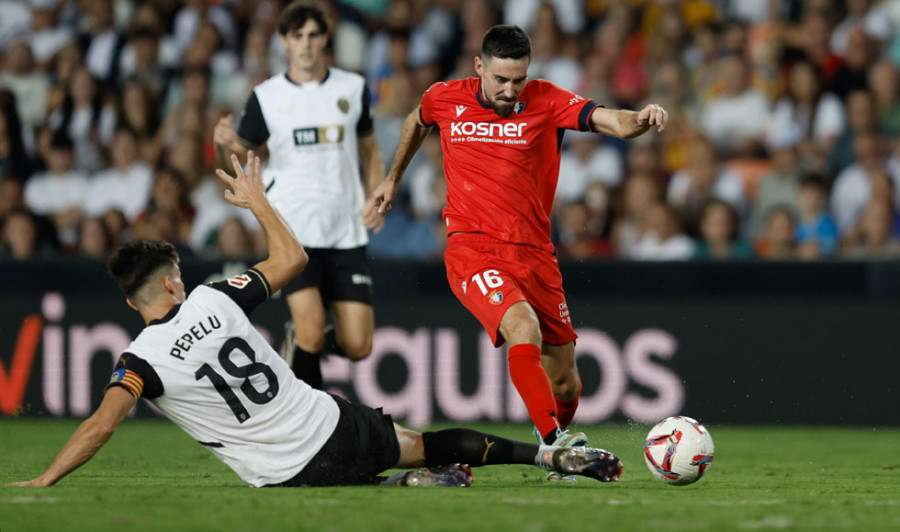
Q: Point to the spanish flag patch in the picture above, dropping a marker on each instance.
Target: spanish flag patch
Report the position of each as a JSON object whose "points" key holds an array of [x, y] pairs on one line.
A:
{"points": [[128, 379]]}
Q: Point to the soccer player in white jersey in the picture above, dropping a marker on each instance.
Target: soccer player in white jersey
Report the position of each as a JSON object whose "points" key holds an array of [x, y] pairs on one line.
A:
{"points": [[204, 365], [317, 125]]}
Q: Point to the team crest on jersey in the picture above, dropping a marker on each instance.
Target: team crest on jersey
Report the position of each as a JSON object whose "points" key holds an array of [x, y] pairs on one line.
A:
{"points": [[344, 105], [495, 297], [519, 107], [239, 281]]}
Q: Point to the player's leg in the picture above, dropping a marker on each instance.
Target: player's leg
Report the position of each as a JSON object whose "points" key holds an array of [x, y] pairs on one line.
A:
{"points": [[559, 363], [308, 320], [354, 324], [347, 291], [484, 275], [463, 446], [521, 329]]}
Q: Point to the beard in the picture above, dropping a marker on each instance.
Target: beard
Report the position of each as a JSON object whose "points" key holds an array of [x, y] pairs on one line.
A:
{"points": [[502, 107]]}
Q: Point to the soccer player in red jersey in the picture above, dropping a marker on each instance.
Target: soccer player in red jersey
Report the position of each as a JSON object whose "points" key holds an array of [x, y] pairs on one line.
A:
{"points": [[501, 136]]}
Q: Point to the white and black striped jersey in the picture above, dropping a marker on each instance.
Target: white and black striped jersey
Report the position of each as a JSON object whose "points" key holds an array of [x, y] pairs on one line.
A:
{"points": [[208, 370], [313, 173]]}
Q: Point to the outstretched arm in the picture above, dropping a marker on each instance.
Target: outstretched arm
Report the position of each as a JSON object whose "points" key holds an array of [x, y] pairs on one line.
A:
{"points": [[628, 124], [414, 132], [287, 257], [88, 438]]}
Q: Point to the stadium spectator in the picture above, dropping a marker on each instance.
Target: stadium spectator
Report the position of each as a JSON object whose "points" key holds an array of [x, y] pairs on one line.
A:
{"points": [[575, 238], [311, 438], [60, 192], [497, 218], [701, 180], [138, 110], [14, 159], [779, 240], [87, 118], [720, 234], [47, 37], [781, 185], [873, 238], [817, 232], [553, 51], [860, 119], [233, 241], [94, 240], [663, 237], [125, 185], [170, 195], [735, 118], [884, 83], [640, 193], [853, 75], [816, 114], [589, 158], [853, 186], [102, 42], [30, 86]]}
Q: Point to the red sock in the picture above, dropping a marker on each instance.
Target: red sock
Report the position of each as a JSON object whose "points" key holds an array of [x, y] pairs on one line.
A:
{"points": [[565, 409], [533, 385]]}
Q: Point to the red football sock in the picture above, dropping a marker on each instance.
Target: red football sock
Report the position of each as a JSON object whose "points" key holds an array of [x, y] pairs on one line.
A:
{"points": [[565, 409], [533, 385]]}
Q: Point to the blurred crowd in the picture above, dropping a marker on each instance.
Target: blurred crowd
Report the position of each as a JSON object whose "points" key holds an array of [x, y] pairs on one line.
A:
{"points": [[783, 143]]}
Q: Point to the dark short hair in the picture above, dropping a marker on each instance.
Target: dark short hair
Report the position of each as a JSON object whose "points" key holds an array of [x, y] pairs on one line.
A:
{"points": [[133, 263], [297, 14], [506, 41]]}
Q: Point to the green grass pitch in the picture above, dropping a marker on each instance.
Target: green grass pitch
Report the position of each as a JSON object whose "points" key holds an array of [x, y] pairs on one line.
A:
{"points": [[151, 476]]}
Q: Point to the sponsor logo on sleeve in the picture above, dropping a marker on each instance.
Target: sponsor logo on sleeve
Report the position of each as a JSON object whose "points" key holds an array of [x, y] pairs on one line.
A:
{"points": [[239, 281]]}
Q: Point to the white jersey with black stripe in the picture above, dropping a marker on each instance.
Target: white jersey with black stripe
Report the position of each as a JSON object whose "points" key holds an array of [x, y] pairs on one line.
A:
{"points": [[313, 173], [216, 378]]}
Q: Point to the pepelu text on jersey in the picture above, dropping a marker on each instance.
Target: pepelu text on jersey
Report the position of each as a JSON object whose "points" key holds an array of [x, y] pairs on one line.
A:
{"points": [[196, 333]]}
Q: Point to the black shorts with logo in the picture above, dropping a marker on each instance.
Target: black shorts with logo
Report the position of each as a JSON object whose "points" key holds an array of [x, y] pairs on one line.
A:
{"points": [[362, 445], [339, 274]]}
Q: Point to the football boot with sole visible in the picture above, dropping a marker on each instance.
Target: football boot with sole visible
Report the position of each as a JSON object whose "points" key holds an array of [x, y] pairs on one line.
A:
{"points": [[563, 439], [583, 461], [451, 476]]}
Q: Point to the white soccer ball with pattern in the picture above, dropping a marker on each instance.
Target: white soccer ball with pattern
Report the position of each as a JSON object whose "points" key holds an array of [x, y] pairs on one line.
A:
{"points": [[678, 450]]}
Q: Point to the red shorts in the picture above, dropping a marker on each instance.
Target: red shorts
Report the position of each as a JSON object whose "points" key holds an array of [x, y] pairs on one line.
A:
{"points": [[488, 276]]}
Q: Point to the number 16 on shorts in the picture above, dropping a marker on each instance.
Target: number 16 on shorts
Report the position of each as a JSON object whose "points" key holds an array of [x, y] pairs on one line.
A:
{"points": [[488, 282]]}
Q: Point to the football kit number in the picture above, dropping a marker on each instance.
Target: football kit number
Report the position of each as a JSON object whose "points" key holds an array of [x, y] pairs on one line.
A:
{"points": [[241, 372]]}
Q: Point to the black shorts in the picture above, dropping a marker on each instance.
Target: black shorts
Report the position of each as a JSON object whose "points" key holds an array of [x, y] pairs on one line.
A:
{"points": [[362, 445], [339, 274]]}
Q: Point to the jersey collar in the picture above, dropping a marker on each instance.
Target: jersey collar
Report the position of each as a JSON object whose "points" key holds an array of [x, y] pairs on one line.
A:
{"points": [[480, 98], [169, 315], [309, 83]]}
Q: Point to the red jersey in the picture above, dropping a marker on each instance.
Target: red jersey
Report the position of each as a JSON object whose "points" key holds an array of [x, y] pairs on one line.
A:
{"points": [[501, 172]]}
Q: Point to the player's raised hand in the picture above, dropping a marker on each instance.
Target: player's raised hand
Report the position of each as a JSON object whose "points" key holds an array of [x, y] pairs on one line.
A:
{"points": [[372, 220], [246, 187], [382, 197], [654, 115], [224, 133]]}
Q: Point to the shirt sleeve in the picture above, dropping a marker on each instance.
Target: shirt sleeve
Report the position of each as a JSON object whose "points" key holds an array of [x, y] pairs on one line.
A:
{"points": [[137, 376], [248, 289], [426, 108], [570, 111], [252, 130], [366, 123]]}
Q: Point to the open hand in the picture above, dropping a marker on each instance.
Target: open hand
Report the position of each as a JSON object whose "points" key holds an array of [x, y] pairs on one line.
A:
{"points": [[245, 187]]}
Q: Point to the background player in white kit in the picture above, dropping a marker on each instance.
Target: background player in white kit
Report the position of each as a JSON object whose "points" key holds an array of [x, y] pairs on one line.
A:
{"points": [[204, 365], [317, 125]]}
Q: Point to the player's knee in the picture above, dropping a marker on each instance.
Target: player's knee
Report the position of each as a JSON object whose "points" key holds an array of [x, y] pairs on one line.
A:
{"points": [[566, 389], [309, 339], [358, 350]]}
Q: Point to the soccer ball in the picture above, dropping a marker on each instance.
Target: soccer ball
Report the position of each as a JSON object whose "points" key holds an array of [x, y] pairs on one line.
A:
{"points": [[678, 450]]}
